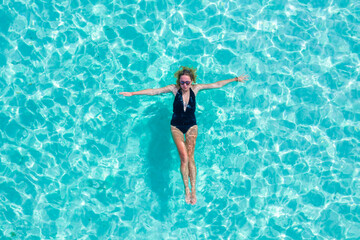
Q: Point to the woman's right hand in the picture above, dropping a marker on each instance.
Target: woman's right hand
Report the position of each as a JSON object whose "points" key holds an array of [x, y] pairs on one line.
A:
{"points": [[126, 94], [242, 78]]}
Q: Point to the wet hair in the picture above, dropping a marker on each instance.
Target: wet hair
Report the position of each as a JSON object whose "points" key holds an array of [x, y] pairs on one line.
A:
{"points": [[191, 72]]}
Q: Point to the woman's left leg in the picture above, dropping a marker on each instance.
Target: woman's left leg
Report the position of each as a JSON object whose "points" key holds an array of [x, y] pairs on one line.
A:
{"points": [[190, 142]]}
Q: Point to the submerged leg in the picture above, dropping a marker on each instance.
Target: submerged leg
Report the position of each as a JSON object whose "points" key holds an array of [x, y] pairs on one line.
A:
{"points": [[178, 138], [190, 142]]}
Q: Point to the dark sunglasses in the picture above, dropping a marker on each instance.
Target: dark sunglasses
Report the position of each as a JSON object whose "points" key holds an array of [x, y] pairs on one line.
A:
{"points": [[187, 83]]}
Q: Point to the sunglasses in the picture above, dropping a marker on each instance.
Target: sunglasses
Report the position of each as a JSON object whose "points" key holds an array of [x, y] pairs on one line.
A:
{"points": [[187, 83]]}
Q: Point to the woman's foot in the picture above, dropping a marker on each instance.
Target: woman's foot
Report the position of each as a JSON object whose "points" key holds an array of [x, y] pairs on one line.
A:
{"points": [[193, 198], [187, 196]]}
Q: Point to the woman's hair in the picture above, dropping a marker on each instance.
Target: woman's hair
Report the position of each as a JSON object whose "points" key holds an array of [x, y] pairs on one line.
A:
{"points": [[191, 72]]}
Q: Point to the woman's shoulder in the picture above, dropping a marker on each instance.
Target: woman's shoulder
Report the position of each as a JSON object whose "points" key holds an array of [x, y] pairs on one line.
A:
{"points": [[196, 88], [174, 89]]}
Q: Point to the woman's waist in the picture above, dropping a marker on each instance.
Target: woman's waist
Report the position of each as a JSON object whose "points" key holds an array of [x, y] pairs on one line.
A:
{"points": [[183, 119], [183, 115]]}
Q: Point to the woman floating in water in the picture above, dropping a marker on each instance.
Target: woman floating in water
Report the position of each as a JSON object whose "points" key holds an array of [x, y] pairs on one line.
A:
{"points": [[183, 120]]}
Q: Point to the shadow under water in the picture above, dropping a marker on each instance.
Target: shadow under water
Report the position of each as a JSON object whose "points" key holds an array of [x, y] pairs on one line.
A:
{"points": [[159, 156]]}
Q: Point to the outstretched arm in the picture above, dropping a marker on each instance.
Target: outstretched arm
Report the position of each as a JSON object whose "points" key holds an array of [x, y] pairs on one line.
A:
{"points": [[222, 83], [169, 88]]}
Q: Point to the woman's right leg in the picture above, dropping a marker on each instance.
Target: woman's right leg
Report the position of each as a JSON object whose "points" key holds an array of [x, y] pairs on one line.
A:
{"points": [[190, 142], [178, 138]]}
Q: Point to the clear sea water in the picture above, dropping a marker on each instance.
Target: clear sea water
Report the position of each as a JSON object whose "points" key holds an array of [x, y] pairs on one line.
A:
{"points": [[277, 157]]}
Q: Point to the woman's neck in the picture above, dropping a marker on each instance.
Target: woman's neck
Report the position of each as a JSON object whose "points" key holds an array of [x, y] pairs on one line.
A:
{"points": [[185, 91]]}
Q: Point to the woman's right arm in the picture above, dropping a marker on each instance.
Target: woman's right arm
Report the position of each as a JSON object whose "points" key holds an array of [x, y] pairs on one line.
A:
{"points": [[169, 88]]}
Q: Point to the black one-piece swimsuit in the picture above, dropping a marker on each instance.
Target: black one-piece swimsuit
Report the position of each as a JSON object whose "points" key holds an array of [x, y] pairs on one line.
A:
{"points": [[183, 120]]}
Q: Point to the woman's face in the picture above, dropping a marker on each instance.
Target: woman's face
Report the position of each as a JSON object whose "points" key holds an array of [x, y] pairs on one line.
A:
{"points": [[185, 82]]}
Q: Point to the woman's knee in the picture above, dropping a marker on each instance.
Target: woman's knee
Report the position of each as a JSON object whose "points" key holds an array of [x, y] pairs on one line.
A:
{"points": [[191, 161], [190, 149], [184, 158]]}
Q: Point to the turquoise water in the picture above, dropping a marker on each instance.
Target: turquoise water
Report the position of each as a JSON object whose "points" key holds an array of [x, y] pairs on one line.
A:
{"points": [[277, 157]]}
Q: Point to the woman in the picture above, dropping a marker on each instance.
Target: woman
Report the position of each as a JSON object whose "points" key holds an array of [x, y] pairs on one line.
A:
{"points": [[183, 120]]}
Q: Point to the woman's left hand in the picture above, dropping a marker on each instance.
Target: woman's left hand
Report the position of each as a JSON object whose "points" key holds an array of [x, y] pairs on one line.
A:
{"points": [[242, 78]]}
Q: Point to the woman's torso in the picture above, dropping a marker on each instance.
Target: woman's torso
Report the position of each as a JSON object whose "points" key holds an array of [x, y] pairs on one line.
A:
{"points": [[182, 115]]}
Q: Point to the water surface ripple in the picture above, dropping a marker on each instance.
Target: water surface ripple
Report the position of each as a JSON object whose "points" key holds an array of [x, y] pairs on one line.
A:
{"points": [[277, 157]]}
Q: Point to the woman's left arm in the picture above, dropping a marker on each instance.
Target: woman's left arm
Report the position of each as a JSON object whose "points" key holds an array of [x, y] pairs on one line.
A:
{"points": [[222, 83]]}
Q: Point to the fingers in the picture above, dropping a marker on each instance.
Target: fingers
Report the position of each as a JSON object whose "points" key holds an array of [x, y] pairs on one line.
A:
{"points": [[243, 78]]}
